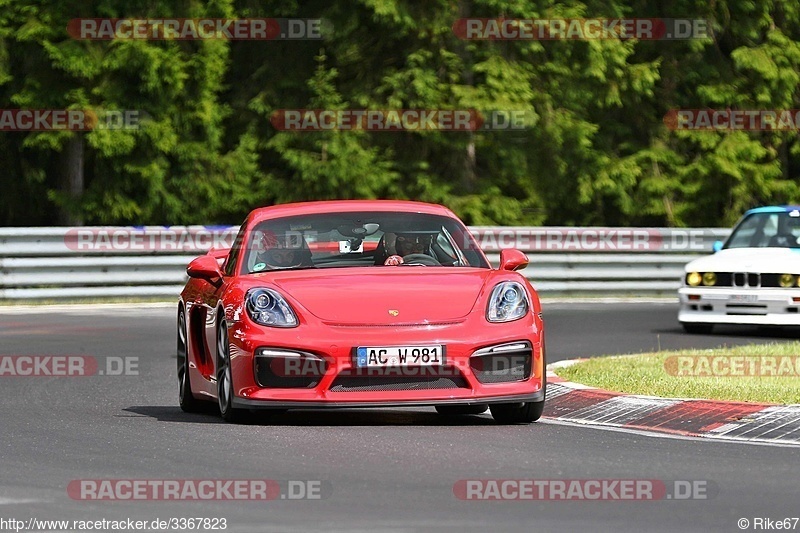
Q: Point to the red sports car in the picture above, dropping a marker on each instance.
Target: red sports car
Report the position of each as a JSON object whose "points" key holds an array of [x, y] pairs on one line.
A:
{"points": [[360, 304]]}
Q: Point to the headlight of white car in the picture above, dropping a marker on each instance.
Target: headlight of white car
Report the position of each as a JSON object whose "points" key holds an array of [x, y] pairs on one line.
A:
{"points": [[508, 302], [268, 308]]}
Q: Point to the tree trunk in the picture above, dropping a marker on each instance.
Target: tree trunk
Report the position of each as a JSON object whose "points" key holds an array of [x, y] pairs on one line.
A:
{"points": [[72, 179], [469, 178]]}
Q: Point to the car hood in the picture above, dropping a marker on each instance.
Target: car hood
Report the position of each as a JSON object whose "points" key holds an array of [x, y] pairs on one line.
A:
{"points": [[385, 295], [770, 260]]}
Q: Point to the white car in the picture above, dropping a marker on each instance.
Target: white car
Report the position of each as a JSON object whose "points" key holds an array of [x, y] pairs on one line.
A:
{"points": [[753, 278]]}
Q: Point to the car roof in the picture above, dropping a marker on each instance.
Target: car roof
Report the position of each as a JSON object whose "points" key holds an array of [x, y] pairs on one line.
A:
{"points": [[774, 209], [346, 206]]}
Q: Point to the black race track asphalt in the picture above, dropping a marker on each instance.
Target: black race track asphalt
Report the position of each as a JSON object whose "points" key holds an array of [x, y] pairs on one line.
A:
{"points": [[380, 470]]}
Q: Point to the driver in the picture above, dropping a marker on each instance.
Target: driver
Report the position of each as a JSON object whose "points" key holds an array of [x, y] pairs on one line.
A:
{"points": [[405, 244], [281, 252], [785, 237]]}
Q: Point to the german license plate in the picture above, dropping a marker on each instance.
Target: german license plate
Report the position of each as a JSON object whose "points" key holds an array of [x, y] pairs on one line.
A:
{"points": [[743, 299], [386, 356]]}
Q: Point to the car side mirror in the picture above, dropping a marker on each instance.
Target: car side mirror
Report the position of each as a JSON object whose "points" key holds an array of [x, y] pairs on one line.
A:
{"points": [[512, 259], [717, 246], [204, 267], [220, 254]]}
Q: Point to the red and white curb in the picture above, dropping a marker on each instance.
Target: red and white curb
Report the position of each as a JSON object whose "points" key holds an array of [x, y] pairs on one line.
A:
{"points": [[712, 419]]}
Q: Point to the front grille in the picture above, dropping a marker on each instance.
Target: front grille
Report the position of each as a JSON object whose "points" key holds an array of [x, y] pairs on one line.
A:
{"points": [[345, 383], [503, 364], [724, 279], [757, 280], [741, 279]]}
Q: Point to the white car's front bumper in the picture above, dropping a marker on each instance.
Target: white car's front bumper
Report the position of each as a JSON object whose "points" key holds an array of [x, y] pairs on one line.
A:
{"points": [[740, 305]]}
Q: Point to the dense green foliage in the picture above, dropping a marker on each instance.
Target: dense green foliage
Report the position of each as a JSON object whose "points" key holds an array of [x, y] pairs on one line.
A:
{"points": [[597, 152]]}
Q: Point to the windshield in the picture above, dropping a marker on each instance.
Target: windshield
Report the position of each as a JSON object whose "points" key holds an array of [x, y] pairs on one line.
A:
{"points": [[362, 239], [761, 230]]}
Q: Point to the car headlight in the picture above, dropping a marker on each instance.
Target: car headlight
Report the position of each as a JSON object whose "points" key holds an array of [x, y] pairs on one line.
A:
{"points": [[709, 278], [786, 280], [269, 308], [694, 279], [508, 302]]}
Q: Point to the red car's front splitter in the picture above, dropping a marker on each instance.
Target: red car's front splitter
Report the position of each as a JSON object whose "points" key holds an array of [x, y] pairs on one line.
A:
{"points": [[242, 403]]}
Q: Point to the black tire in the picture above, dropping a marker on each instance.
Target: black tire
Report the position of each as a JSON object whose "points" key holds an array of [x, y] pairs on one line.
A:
{"points": [[697, 328], [517, 413], [186, 399], [225, 380], [459, 410]]}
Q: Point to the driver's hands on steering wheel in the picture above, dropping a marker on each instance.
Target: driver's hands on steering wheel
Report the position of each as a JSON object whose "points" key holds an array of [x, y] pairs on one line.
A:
{"points": [[394, 260]]}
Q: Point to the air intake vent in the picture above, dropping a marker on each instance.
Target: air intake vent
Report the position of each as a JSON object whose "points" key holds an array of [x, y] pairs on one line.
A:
{"points": [[503, 363]]}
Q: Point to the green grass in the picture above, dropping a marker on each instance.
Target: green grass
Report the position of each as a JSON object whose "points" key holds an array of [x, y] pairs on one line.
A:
{"points": [[653, 374]]}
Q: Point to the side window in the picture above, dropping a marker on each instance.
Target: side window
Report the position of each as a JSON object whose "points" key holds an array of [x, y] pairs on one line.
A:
{"points": [[745, 232], [794, 227]]}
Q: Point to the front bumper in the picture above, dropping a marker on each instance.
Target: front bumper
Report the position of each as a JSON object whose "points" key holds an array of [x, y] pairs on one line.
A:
{"points": [[241, 403], [337, 344], [739, 305]]}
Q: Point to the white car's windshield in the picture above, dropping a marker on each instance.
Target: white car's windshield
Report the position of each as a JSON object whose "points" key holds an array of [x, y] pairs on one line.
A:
{"points": [[762, 230], [362, 239]]}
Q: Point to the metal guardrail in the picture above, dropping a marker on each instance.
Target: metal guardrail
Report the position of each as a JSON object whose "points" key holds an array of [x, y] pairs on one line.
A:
{"points": [[73, 263]]}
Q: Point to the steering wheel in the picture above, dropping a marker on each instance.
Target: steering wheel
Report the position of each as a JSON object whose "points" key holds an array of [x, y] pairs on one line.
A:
{"points": [[421, 260]]}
